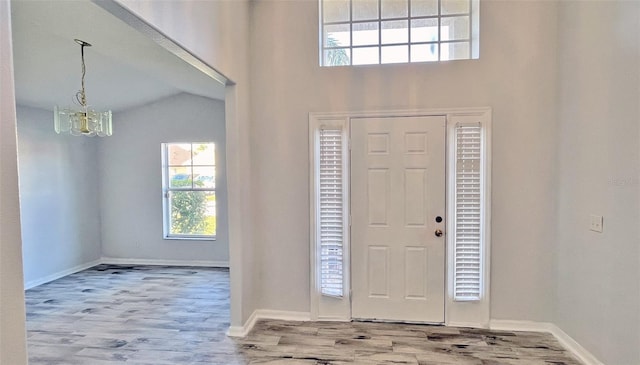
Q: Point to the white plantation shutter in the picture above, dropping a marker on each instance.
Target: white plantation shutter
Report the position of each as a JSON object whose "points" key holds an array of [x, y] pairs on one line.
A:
{"points": [[468, 209], [331, 212]]}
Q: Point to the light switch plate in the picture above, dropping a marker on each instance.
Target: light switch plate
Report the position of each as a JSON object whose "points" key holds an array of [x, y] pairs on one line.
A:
{"points": [[595, 223]]}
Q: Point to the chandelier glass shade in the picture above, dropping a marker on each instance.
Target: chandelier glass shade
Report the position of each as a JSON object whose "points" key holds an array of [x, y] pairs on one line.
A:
{"points": [[82, 120]]}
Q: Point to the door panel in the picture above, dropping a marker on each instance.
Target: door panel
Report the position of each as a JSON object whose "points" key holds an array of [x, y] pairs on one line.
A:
{"points": [[397, 190], [378, 270], [378, 196]]}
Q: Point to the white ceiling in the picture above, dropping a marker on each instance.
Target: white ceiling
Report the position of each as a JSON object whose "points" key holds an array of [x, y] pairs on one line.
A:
{"points": [[124, 67]]}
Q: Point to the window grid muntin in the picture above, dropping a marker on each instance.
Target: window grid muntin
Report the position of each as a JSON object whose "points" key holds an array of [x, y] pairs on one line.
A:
{"points": [[408, 18], [403, 44], [191, 166]]}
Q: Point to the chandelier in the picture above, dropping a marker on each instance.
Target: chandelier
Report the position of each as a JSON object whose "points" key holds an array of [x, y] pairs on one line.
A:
{"points": [[82, 121]]}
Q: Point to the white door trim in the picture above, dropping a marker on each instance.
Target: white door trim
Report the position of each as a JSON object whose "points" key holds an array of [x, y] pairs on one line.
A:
{"points": [[457, 313]]}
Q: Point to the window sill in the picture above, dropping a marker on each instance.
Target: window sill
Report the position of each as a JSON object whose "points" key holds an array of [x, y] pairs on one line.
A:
{"points": [[183, 238]]}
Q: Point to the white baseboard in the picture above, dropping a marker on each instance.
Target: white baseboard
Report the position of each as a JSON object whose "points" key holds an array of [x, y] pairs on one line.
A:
{"points": [[199, 263], [529, 326], [466, 324], [332, 319], [565, 340], [283, 315], [572, 345], [33, 283], [242, 331]]}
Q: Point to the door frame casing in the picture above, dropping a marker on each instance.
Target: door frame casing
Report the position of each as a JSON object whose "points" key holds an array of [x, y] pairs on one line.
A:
{"points": [[457, 313]]}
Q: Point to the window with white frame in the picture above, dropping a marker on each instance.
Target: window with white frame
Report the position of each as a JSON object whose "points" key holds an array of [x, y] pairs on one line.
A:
{"points": [[189, 190], [363, 32]]}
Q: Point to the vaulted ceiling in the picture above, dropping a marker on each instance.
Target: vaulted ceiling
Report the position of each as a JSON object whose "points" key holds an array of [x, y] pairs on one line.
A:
{"points": [[124, 68]]}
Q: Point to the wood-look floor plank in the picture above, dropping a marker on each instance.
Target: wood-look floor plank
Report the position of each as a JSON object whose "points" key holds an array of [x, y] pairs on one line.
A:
{"points": [[157, 315]]}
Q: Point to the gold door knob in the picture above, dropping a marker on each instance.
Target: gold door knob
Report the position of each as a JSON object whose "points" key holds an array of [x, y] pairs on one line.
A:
{"points": [[438, 233]]}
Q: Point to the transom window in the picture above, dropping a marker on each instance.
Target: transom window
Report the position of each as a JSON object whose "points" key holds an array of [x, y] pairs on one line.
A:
{"points": [[363, 32], [189, 185]]}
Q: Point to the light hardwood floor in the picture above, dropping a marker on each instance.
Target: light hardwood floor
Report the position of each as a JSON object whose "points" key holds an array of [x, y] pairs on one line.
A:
{"points": [[155, 315]]}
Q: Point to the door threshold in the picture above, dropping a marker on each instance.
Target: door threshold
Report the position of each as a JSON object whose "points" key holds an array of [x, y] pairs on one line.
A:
{"points": [[396, 321]]}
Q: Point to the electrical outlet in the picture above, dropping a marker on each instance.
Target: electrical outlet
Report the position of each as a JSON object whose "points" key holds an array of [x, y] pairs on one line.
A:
{"points": [[595, 223]]}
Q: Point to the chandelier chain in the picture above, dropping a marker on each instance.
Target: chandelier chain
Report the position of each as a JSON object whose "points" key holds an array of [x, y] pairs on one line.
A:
{"points": [[81, 97]]}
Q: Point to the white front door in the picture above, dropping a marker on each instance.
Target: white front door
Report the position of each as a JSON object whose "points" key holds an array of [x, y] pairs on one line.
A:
{"points": [[397, 204]]}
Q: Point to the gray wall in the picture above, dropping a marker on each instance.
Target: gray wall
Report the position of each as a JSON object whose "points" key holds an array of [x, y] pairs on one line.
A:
{"points": [[598, 274], [76, 206], [516, 75], [58, 197], [131, 179], [218, 33]]}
